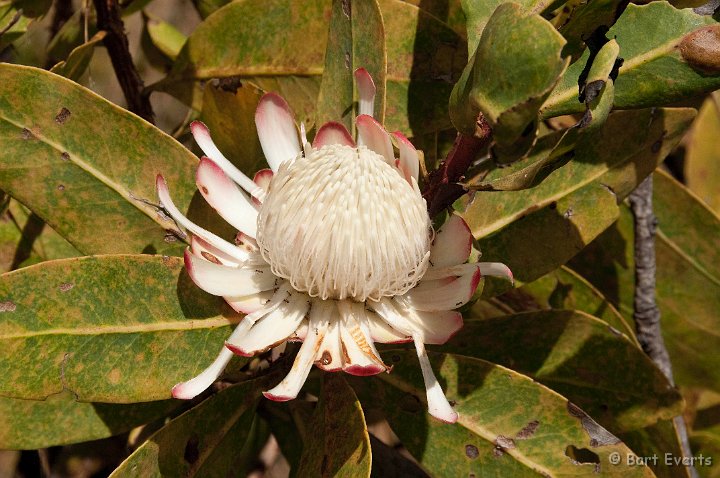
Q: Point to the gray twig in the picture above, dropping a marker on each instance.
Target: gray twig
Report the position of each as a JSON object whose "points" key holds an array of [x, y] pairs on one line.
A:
{"points": [[646, 312], [709, 8]]}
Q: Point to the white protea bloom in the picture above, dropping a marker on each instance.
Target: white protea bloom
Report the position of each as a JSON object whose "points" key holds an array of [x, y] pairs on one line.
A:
{"points": [[335, 249]]}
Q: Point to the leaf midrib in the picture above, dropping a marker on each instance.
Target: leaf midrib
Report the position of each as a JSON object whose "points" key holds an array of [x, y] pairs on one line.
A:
{"points": [[231, 422], [543, 202], [549, 379], [125, 193], [182, 325], [627, 66], [628, 309], [686, 257]]}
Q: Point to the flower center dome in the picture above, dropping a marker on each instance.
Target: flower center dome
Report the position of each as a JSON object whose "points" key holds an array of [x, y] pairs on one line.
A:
{"points": [[341, 223]]}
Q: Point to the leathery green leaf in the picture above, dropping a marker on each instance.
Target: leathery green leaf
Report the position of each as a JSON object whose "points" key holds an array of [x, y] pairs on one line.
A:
{"points": [[663, 62], [702, 157], [15, 23], [32, 8], [561, 348], [450, 12], [584, 19], [508, 425], [79, 59], [550, 149], [206, 7], [356, 39], [578, 201], [72, 34], [478, 12], [565, 289], [207, 440], [599, 88], [241, 39], [288, 423], [626, 149], [545, 155], [276, 40], [704, 430], [557, 232], [229, 113], [25, 239], [168, 39], [86, 166], [688, 278], [117, 329], [341, 444], [507, 81], [425, 58], [598, 93], [300, 91], [61, 419], [279, 45]]}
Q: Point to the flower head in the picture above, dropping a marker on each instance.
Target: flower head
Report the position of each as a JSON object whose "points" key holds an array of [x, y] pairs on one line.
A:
{"points": [[335, 249]]}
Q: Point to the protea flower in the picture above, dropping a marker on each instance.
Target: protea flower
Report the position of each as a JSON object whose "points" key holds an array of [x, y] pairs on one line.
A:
{"points": [[335, 249]]}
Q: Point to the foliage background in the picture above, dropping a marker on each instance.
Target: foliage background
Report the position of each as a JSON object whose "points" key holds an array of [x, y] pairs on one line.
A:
{"points": [[91, 345]]}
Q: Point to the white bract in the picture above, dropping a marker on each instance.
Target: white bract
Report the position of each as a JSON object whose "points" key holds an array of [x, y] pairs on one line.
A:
{"points": [[335, 249]]}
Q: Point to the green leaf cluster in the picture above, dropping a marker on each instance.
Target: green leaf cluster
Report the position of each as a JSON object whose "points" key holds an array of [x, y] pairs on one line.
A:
{"points": [[584, 100]]}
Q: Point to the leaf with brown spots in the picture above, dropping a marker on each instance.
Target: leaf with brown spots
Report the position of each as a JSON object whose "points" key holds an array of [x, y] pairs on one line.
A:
{"points": [[86, 166], [701, 49], [495, 406], [654, 72], [578, 356], [554, 149], [339, 445], [129, 329], [579, 21]]}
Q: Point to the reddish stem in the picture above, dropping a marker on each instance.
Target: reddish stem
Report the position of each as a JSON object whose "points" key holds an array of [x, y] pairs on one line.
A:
{"points": [[443, 186]]}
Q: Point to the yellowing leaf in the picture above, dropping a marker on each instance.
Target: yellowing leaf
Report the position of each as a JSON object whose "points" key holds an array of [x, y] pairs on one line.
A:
{"points": [[117, 329], [702, 157], [86, 166]]}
